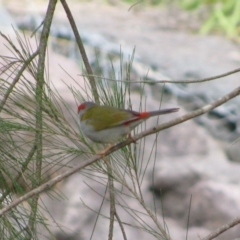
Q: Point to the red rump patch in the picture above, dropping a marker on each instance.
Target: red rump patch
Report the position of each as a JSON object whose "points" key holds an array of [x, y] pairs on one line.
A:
{"points": [[144, 115], [81, 107], [139, 116]]}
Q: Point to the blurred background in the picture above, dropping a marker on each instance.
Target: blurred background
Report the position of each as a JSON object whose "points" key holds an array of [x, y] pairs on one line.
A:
{"points": [[178, 40]]}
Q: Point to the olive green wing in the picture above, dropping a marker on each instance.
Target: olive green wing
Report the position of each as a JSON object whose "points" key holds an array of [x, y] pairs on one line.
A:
{"points": [[107, 117]]}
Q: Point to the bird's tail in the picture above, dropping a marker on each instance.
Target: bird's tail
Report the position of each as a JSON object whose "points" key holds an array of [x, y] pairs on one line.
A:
{"points": [[158, 112]]}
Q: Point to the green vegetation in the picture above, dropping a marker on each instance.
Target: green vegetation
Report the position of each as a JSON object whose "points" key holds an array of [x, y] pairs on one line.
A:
{"points": [[219, 16], [223, 15]]}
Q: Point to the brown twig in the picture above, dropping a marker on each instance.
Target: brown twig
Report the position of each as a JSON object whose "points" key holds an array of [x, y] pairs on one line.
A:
{"points": [[121, 226], [96, 158], [111, 198], [222, 229], [173, 81], [39, 113], [82, 51], [134, 5], [113, 210]]}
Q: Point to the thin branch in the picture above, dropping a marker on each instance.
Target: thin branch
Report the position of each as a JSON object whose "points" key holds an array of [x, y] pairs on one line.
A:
{"points": [[41, 82], [34, 32], [188, 219], [96, 158], [82, 51], [171, 81], [39, 114], [222, 229], [48, 185], [121, 226], [134, 5], [111, 198], [113, 210]]}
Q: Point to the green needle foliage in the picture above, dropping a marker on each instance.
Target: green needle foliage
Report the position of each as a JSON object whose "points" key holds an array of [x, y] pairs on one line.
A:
{"points": [[62, 143]]}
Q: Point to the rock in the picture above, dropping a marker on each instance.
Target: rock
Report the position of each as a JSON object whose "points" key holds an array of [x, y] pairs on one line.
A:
{"points": [[233, 151], [215, 204], [207, 184]]}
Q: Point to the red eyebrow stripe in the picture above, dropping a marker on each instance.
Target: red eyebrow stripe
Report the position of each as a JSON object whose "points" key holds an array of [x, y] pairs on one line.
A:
{"points": [[81, 107]]}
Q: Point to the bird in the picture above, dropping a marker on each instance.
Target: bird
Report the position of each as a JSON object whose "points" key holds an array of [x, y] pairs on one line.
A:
{"points": [[106, 124]]}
